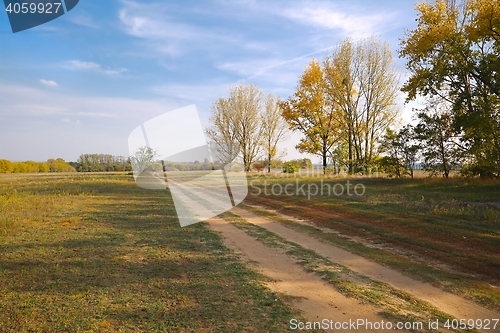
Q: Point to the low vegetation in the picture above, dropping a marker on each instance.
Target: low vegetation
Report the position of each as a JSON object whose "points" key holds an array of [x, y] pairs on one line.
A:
{"points": [[443, 231], [96, 253]]}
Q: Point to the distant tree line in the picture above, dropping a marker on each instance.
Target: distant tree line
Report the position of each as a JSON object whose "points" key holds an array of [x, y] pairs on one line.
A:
{"points": [[52, 165], [85, 163], [195, 166], [102, 163], [293, 166]]}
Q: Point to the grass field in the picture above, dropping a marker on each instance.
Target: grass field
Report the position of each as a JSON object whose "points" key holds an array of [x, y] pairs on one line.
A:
{"points": [[96, 253], [445, 231]]}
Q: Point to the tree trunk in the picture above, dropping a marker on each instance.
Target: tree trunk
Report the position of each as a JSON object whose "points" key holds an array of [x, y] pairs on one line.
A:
{"points": [[324, 158], [269, 162]]}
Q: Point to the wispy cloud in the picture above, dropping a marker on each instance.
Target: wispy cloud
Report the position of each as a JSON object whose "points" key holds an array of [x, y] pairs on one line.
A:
{"points": [[98, 114], [85, 20], [353, 22], [92, 66], [43, 103], [49, 83], [165, 33]]}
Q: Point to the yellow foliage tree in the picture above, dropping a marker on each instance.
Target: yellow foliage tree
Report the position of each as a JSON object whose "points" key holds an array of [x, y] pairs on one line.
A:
{"points": [[307, 111], [454, 53], [361, 81]]}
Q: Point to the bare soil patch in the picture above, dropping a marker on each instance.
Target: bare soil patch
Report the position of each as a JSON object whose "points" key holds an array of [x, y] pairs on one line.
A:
{"points": [[313, 296]]}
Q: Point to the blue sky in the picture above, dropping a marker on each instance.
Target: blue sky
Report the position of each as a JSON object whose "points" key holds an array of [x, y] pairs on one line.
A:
{"points": [[81, 83]]}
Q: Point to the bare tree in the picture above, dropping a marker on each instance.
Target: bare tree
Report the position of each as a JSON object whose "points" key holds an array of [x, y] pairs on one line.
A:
{"points": [[274, 128], [236, 120]]}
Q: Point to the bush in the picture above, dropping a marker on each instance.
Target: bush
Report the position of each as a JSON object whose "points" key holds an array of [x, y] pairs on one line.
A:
{"points": [[258, 166], [5, 166], [291, 166]]}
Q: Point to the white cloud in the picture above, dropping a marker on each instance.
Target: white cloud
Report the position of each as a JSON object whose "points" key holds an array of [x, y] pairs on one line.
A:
{"points": [[352, 25], [164, 33], [92, 66], [42, 103], [49, 83], [84, 20], [98, 114], [78, 64], [278, 74]]}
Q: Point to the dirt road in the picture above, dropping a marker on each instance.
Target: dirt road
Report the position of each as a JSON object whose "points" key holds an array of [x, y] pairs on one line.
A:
{"points": [[316, 298], [444, 301]]}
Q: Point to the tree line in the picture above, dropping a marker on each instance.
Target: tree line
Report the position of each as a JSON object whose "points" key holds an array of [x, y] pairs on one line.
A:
{"points": [[85, 163], [345, 106], [345, 102], [52, 165]]}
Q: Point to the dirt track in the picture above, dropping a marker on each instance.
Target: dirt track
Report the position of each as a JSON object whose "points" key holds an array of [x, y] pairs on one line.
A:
{"points": [[316, 298], [444, 301]]}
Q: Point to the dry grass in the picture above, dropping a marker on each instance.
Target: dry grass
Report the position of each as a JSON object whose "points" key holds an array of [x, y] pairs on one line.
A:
{"points": [[443, 231], [95, 253]]}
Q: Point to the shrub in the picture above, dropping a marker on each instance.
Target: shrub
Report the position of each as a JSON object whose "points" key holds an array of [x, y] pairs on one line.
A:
{"points": [[291, 166]]}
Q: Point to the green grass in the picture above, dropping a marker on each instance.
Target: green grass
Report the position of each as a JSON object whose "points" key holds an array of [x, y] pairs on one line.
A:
{"points": [[445, 231], [95, 253]]}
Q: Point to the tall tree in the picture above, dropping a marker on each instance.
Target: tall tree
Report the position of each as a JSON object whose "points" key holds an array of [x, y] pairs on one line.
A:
{"points": [[235, 120], [453, 53], [362, 81], [222, 132], [273, 128], [307, 111]]}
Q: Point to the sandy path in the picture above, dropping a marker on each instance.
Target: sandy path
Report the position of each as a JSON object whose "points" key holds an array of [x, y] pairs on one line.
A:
{"points": [[318, 300], [444, 301]]}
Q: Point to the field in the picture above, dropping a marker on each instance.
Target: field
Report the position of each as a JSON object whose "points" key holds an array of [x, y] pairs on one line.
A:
{"points": [[443, 231], [96, 253]]}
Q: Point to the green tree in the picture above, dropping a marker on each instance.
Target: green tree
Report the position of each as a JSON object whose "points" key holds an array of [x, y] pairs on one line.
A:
{"points": [[291, 166], [306, 163], [440, 149], [402, 151], [453, 53], [340, 156]]}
